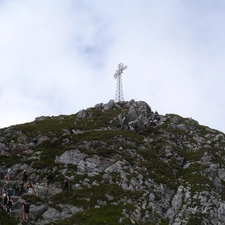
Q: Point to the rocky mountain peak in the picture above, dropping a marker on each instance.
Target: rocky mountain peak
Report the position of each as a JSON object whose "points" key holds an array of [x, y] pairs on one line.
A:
{"points": [[125, 164]]}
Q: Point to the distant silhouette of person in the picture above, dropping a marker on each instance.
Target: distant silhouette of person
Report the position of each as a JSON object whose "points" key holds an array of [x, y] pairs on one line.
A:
{"points": [[26, 210], [36, 187], [49, 179], [15, 188], [25, 176], [66, 186]]}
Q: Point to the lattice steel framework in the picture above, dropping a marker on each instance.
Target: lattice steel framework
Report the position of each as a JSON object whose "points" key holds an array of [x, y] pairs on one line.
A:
{"points": [[119, 87]]}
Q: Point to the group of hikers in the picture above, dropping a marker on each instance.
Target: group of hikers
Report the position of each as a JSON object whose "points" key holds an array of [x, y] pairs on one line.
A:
{"points": [[17, 189], [50, 179], [153, 121], [20, 187], [7, 204]]}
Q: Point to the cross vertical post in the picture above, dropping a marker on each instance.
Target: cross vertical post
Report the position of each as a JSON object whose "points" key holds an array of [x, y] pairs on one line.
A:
{"points": [[119, 87]]}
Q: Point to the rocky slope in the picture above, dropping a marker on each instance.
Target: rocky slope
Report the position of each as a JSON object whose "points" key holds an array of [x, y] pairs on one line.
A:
{"points": [[121, 169]]}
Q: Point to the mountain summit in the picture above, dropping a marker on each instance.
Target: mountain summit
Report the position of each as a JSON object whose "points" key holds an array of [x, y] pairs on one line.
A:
{"points": [[124, 163]]}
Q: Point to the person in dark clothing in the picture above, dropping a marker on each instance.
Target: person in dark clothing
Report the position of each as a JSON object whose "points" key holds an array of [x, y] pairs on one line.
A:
{"points": [[9, 205], [136, 128], [21, 188], [26, 210], [49, 179], [66, 186], [5, 187], [35, 142], [25, 176], [15, 188], [151, 122], [5, 201], [72, 131]]}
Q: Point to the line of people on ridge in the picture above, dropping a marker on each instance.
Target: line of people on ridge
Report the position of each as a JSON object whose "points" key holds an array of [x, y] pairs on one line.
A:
{"points": [[25, 186]]}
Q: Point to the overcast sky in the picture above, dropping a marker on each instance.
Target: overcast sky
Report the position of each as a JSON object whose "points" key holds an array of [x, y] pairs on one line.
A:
{"points": [[59, 56]]}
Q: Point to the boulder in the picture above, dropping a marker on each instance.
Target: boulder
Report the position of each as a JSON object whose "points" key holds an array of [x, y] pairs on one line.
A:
{"points": [[110, 105], [43, 139], [71, 157], [138, 114], [99, 105], [82, 114]]}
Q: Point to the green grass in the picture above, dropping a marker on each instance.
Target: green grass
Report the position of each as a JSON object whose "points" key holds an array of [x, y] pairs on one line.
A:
{"points": [[56, 124], [9, 161], [109, 214], [33, 199], [47, 126], [88, 197], [109, 136], [192, 176], [195, 219], [48, 151], [6, 219]]}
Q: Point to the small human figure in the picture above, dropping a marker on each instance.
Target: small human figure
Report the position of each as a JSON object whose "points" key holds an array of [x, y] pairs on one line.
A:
{"points": [[158, 117], [32, 185], [5, 187], [36, 187], [66, 186], [151, 122], [8, 174], [3, 200], [135, 128], [21, 189], [119, 126], [15, 188], [30, 191], [6, 201], [35, 142], [9, 205], [25, 210], [49, 179], [72, 131], [26, 186], [25, 176], [155, 122], [145, 125]]}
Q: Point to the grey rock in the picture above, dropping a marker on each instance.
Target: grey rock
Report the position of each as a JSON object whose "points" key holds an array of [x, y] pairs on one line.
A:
{"points": [[73, 156], [43, 139], [99, 105], [182, 127], [82, 114]]}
